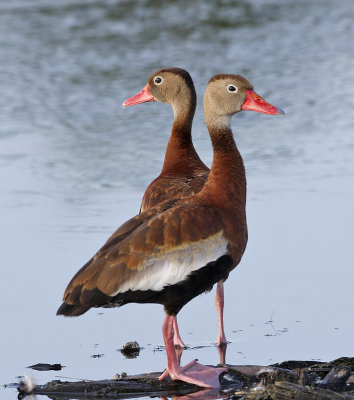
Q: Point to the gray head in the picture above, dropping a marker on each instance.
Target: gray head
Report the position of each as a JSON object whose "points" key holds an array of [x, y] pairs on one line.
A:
{"points": [[227, 94], [170, 85]]}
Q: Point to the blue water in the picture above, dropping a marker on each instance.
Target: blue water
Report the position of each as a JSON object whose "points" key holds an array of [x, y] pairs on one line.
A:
{"points": [[74, 166]]}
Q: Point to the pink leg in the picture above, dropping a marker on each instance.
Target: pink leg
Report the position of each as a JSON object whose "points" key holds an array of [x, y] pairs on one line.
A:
{"points": [[179, 353], [219, 302], [193, 372], [177, 340], [179, 350]]}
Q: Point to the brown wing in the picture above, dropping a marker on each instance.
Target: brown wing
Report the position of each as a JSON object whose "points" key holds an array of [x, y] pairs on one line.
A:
{"points": [[131, 252], [124, 231], [166, 187]]}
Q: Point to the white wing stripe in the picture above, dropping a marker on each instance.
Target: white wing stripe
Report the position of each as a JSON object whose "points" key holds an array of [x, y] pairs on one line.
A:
{"points": [[176, 265]]}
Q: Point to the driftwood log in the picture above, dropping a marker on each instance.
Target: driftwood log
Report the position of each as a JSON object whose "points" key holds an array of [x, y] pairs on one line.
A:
{"points": [[297, 380]]}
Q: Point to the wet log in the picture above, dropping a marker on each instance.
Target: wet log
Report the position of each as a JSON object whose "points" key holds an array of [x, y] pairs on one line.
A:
{"points": [[122, 388], [293, 391], [297, 380]]}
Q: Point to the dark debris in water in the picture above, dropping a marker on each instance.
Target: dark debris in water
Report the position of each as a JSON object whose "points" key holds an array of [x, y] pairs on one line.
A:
{"points": [[131, 350], [46, 367], [97, 355], [159, 348]]}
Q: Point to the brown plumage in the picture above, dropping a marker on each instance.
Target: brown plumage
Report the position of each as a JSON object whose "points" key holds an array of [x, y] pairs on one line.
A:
{"points": [[180, 248], [152, 235]]}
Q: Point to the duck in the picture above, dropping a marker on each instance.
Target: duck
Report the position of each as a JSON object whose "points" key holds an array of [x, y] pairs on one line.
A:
{"points": [[183, 172], [181, 248]]}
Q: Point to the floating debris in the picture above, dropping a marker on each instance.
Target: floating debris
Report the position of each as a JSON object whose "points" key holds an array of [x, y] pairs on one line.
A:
{"points": [[131, 350], [46, 367], [97, 355], [159, 348]]}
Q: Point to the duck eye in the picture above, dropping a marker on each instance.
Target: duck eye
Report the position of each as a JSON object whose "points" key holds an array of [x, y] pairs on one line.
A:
{"points": [[232, 88], [158, 80]]}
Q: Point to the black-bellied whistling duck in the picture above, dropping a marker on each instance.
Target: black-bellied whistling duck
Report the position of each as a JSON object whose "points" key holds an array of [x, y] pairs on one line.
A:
{"points": [[183, 173], [179, 249]]}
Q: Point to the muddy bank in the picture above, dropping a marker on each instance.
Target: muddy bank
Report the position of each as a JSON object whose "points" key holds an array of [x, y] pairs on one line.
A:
{"points": [[298, 380]]}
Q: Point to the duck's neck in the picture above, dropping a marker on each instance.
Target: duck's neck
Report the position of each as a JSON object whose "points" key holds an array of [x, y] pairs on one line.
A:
{"points": [[180, 153], [226, 184]]}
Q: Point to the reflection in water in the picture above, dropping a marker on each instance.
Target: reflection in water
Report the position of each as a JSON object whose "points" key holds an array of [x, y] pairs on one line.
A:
{"points": [[26, 386], [222, 353], [204, 394], [31, 397], [220, 348]]}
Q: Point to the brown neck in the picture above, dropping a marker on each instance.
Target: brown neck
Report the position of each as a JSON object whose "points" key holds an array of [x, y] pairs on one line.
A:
{"points": [[226, 184], [180, 153]]}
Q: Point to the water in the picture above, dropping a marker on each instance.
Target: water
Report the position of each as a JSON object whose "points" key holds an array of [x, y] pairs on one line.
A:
{"points": [[74, 165]]}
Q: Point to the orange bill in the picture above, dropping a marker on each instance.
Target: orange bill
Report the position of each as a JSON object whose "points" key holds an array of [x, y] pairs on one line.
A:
{"points": [[254, 102], [142, 97]]}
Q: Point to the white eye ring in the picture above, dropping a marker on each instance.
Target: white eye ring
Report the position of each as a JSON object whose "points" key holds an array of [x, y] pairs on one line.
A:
{"points": [[232, 89], [158, 80]]}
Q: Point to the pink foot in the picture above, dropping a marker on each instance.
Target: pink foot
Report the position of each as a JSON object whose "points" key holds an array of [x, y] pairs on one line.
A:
{"points": [[196, 374], [182, 369]]}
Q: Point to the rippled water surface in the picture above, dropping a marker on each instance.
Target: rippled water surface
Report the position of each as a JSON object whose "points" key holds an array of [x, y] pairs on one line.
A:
{"points": [[74, 165]]}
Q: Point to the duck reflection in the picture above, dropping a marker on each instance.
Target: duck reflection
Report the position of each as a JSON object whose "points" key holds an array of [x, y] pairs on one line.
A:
{"points": [[204, 394], [221, 348], [222, 353]]}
